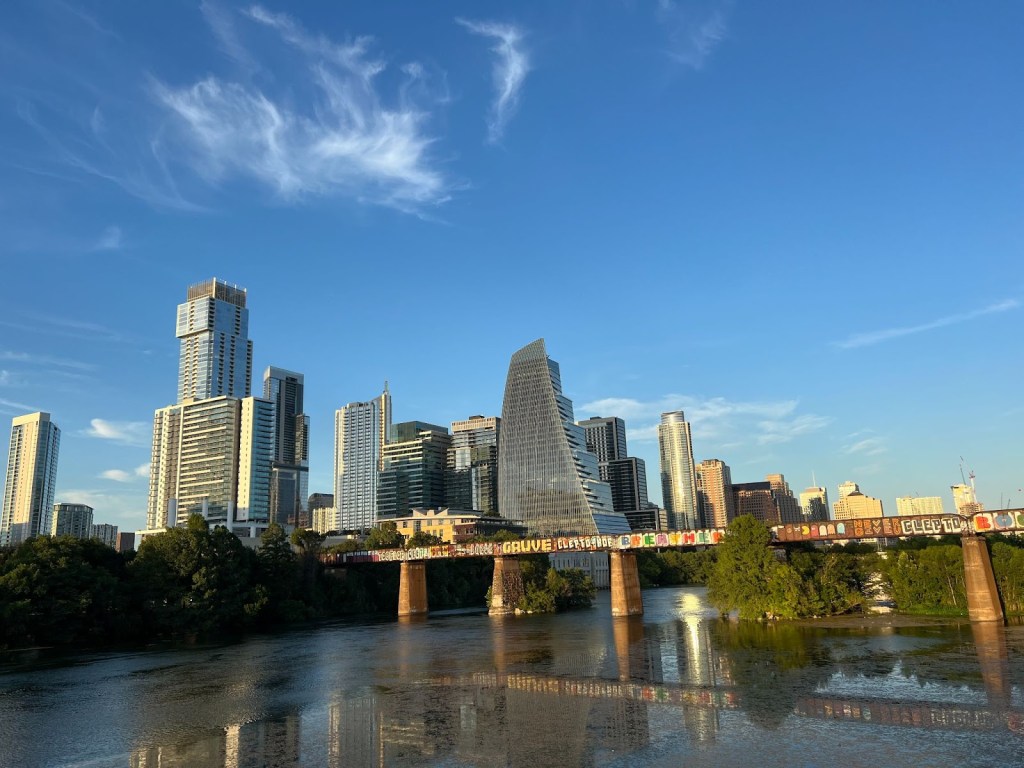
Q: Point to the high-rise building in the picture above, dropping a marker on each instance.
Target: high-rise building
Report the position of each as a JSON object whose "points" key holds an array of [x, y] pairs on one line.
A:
{"points": [[855, 505], [789, 508], [106, 533], [965, 502], [72, 520], [361, 430], [627, 478], [546, 477], [471, 474], [814, 504], [606, 437], [216, 354], [714, 488], [847, 487], [212, 457], [289, 481], [757, 499], [31, 478], [414, 468], [918, 505], [678, 480], [214, 450]]}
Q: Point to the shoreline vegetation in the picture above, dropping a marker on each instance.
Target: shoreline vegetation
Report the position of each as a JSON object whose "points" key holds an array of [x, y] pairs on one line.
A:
{"points": [[195, 584]]}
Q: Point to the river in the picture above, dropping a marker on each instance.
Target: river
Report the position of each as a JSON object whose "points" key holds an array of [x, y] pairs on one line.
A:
{"points": [[674, 687]]}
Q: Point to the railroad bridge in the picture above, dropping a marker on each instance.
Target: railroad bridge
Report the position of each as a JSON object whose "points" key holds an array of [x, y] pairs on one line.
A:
{"points": [[507, 583]]}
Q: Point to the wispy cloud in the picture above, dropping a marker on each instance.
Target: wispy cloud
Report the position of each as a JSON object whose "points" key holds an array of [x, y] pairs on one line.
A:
{"points": [[33, 359], [876, 337], [110, 240], [866, 446], [126, 476], [693, 29], [12, 408], [124, 432], [715, 418], [511, 66], [339, 140]]}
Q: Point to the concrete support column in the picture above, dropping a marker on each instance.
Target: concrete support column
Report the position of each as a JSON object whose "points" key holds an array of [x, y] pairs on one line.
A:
{"points": [[412, 589], [626, 600], [506, 586], [982, 595]]}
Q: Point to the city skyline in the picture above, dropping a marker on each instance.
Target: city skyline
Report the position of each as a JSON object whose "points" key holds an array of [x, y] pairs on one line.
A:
{"points": [[839, 198]]}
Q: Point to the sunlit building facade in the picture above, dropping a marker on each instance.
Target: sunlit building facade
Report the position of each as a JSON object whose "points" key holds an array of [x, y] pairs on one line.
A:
{"points": [[918, 505], [856, 505], [361, 430], [678, 479], [714, 488], [72, 520], [216, 353], [814, 504], [546, 477], [31, 478]]}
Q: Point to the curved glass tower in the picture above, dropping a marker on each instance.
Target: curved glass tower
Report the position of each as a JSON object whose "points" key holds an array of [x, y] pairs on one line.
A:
{"points": [[546, 478]]}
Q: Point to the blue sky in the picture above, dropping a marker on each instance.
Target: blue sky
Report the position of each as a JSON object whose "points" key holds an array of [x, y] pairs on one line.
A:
{"points": [[799, 222]]}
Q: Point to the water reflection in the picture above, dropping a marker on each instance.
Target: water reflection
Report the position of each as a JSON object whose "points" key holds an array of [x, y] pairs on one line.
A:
{"points": [[677, 684]]}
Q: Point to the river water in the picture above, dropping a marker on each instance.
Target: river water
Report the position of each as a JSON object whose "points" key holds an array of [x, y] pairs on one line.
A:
{"points": [[674, 687]]}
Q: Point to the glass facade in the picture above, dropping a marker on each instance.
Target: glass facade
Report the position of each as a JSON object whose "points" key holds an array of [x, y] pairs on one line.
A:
{"points": [[216, 354], [471, 476], [31, 478], [628, 480], [289, 483], [678, 480], [208, 460], [413, 474], [546, 477]]}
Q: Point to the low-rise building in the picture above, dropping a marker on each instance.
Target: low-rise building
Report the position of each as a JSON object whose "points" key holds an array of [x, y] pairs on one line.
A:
{"points": [[453, 525]]}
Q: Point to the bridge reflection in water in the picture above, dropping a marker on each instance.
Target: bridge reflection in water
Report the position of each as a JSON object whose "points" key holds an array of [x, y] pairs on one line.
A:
{"points": [[598, 696]]}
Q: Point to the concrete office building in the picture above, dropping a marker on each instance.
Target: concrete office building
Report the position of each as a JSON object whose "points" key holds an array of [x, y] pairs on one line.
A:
{"points": [[789, 508], [918, 505], [31, 478], [855, 504], [814, 504], [757, 499]]}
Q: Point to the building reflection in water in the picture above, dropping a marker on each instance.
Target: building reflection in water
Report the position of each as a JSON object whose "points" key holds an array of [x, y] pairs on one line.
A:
{"points": [[274, 741]]}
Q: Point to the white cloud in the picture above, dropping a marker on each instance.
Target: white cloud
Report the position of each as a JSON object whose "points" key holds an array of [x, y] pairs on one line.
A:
{"points": [[125, 432], [125, 510], [14, 408], [511, 66], [142, 470], [875, 337], [118, 475], [715, 418], [868, 446], [694, 30], [343, 141], [110, 240]]}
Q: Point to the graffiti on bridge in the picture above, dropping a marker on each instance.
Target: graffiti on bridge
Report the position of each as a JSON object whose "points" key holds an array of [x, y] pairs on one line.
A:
{"points": [[896, 527], [544, 546]]}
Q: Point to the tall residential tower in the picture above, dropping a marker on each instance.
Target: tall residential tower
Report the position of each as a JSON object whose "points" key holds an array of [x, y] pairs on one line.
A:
{"points": [[361, 430], [678, 479], [31, 478], [289, 482]]}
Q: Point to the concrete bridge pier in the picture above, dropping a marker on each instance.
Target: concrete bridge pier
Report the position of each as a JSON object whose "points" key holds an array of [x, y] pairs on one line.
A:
{"points": [[625, 578], [983, 602], [412, 589], [506, 586]]}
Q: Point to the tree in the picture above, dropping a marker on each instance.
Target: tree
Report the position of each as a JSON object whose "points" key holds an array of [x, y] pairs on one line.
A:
{"points": [[384, 536], [423, 539], [743, 573]]}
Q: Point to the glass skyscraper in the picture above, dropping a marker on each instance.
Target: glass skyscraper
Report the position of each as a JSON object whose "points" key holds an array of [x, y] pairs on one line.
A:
{"points": [[289, 484], [31, 478], [546, 477], [678, 480], [471, 477], [216, 353]]}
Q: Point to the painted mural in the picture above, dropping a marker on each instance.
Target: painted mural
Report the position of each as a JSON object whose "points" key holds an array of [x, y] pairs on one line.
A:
{"points": [[1002, 521]]}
